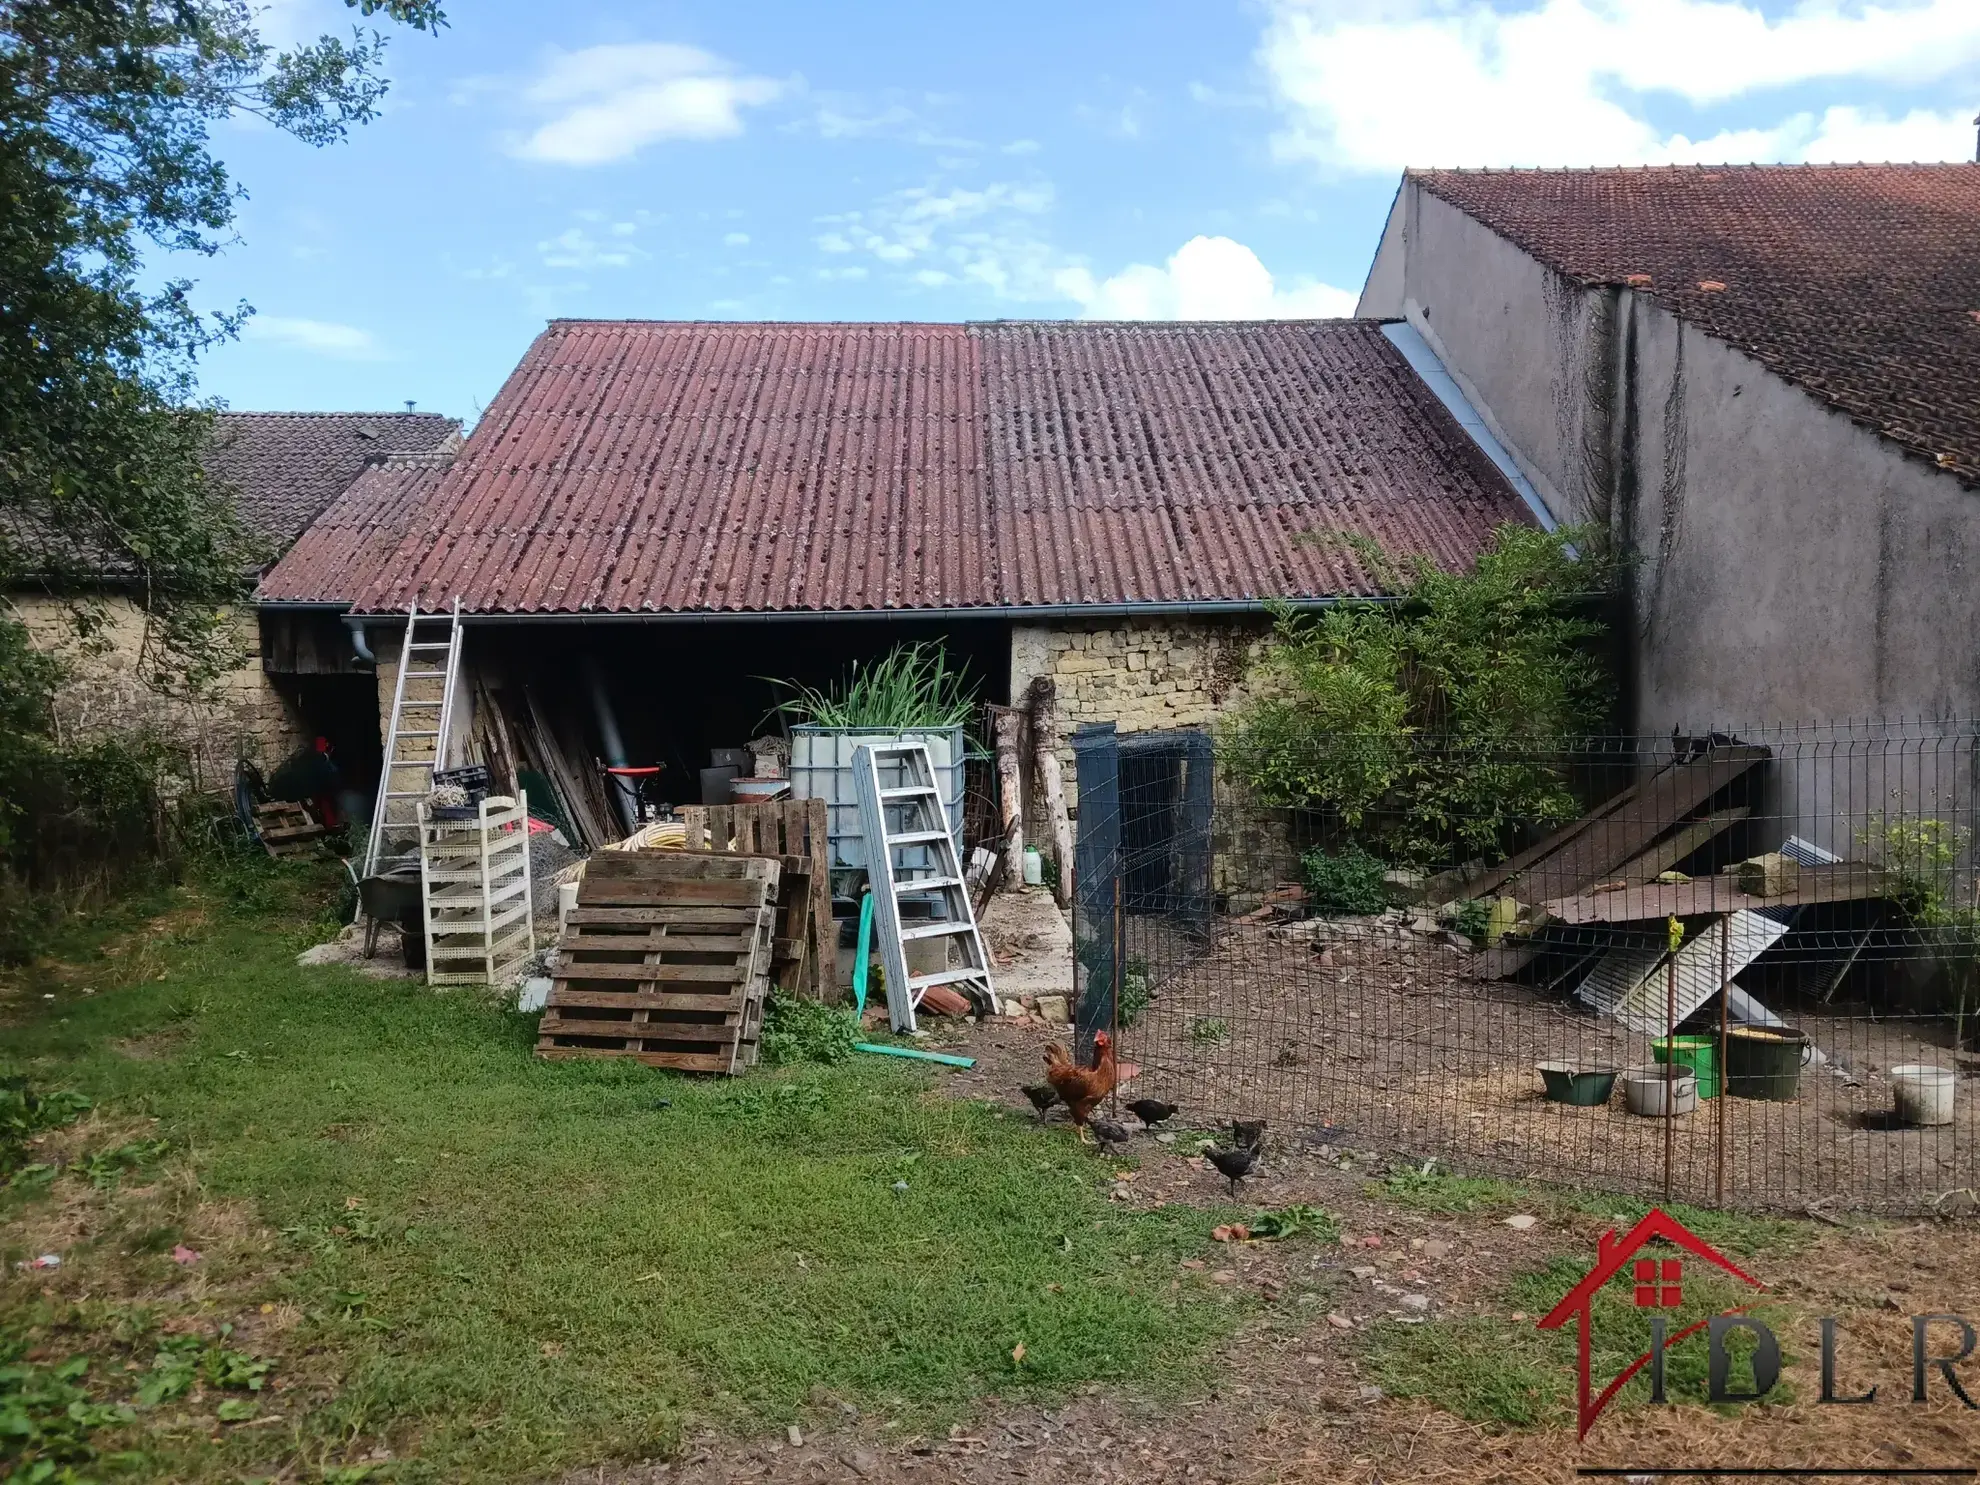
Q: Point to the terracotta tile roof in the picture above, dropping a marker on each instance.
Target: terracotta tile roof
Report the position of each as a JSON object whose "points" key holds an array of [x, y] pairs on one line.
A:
{"points": [[661, 467], [347, 547], [286, 468], [1860, 283]]}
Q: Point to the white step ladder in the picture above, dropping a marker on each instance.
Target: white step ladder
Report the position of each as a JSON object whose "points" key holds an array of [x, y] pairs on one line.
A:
{"points": [[416, 736], [900, 808]]}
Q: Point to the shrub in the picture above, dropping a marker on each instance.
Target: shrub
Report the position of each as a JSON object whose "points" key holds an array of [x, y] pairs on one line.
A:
{"points": [[1345, 881], [1136, 994], [1473, 918], [797, 1030], [1430, 721]]}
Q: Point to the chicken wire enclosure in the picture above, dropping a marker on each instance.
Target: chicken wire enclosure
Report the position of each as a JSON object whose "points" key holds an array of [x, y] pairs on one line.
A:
{"points": [[1740, 968], [1141, 865]]}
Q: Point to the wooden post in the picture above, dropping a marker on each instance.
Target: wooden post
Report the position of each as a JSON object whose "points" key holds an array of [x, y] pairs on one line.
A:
{"points": [[1045, 759], [1010, 791]]}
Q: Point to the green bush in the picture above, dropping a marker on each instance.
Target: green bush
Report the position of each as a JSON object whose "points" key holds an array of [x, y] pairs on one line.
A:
{"points": [[1345, 881], [1473, 918], [1136, 993], [1430, 724], [796, 1030]]}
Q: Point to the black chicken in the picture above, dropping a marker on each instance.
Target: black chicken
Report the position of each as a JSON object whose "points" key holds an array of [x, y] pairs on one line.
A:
{"points": [[1152, 1111], [1248, 1134], [1108, 1132], [1042, 1096], [1235, 1163]]}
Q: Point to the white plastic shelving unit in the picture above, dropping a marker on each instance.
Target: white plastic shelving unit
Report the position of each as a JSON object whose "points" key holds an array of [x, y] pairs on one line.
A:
{"points": [[474, 874]]}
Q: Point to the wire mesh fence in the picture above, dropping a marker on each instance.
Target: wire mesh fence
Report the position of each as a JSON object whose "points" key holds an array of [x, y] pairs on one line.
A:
{"points": [[1734, 969]]}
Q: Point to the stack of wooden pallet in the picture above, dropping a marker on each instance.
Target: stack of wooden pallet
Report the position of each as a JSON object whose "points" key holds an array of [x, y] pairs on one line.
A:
{"points": [[792, 832], [666, 959], [286, 829]]}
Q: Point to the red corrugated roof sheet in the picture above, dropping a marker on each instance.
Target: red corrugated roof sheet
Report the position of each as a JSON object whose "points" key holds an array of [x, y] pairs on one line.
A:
{"points": [[348, 547], [657, 467], [1860, 283], [1171, 463]]}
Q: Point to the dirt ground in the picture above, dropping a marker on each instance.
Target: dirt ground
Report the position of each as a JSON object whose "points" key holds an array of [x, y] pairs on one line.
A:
{"points": [[1292, 1400], [1392, 1038]]}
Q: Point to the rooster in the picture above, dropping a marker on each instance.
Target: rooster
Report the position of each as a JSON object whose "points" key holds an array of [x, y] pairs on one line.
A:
{"points": [[1082, 1088]]}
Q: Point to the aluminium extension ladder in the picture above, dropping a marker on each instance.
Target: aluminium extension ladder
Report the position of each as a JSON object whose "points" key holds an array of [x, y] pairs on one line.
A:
{"points": [[901, 815], [416, 737]]}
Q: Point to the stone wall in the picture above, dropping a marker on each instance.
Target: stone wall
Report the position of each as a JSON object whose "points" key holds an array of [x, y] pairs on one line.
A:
{"points": [[243, 715], [1153, 675]]}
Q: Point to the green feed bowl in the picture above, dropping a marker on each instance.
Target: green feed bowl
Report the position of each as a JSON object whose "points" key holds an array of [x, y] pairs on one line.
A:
{"points": [[1584, 1087]]}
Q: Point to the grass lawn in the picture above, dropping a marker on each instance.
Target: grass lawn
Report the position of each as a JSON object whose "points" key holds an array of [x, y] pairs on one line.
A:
{"points": [[491, 1266]]}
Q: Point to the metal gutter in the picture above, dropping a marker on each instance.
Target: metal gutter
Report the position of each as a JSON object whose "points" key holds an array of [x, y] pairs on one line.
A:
{"points": [[1443, 386], [1012, 613]]}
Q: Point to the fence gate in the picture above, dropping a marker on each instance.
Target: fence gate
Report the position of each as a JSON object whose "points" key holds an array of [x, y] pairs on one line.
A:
{"points": [[1142, 862]]}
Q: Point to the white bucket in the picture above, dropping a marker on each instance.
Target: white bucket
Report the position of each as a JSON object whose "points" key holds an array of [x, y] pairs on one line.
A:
{"points": [[1644, 1089], [1924, 1093], [566, 900]]}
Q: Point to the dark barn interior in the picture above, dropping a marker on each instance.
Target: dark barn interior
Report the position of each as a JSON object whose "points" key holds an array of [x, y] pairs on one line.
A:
{"points": [[681, 687]]}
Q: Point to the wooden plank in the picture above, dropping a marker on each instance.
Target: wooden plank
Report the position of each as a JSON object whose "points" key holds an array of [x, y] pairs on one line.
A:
{"points": [[1672, 796], [1846, 881], [608, 893], [1495, 878], [1668, 852], [1593, 847], [640, 943], [716, 974], [673, 1061], [670, 915], [652, 1000], [712, 1033]]}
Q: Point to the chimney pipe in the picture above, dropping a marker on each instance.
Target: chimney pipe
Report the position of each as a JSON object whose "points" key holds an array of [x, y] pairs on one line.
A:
{"points": [[1976, 140], [409, 401]]}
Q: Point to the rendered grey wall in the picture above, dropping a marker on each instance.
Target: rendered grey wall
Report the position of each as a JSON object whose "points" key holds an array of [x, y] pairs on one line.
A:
{"points": [[1786, 563]]}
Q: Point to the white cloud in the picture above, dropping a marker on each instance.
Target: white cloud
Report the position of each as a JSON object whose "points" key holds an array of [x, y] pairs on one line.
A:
{"points": [[574, 247], [1381, 84], [987, 236], [735, 239], [609, 101], [1208, 278], [316, 337]]}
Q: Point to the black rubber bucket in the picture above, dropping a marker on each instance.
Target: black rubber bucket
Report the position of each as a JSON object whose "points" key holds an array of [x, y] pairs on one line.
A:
{"points": [[1765, 1062]]}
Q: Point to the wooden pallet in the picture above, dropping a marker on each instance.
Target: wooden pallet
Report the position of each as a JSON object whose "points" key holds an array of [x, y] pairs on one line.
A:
{"points": [[665, 959], [783, 828], [286, 829]]}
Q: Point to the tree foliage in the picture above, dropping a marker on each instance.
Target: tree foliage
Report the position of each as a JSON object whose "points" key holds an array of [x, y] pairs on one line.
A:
{"points": [[106, 113], [1430, 721]]}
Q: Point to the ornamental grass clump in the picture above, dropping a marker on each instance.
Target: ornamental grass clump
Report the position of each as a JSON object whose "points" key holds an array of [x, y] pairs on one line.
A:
{"points": [[911, 686]]}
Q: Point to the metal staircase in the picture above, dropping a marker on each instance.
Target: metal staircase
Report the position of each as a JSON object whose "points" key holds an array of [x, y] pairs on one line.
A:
{"points": [[901, 809], [416, 737]]}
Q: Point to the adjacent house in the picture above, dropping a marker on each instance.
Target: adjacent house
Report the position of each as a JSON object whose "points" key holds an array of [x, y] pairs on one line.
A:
{"points": [[1763, 382], [653, 519], [283, 470]]}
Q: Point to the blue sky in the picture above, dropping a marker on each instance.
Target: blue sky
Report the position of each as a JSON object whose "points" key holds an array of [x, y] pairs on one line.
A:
{"points": [[884, 160]]}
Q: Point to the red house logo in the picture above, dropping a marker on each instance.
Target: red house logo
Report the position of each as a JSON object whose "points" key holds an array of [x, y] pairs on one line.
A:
{"points": [[1658, 1285]]}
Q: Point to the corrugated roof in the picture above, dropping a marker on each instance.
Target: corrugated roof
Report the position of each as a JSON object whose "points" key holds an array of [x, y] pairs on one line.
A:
{"points": [[1170, 463], [285, 468], [1860, 283], [662, 467], [348, 547]]}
